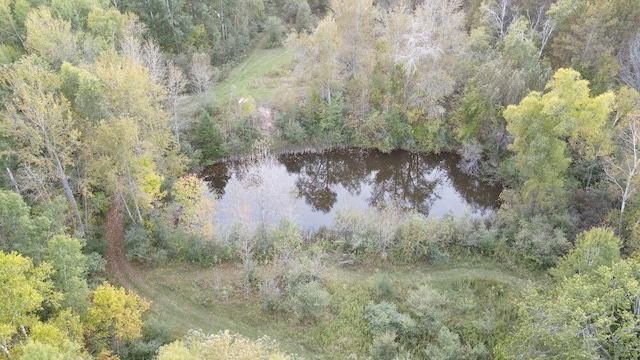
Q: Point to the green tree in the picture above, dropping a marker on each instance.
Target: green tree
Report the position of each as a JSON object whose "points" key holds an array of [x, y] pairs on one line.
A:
{"points": [[131, 149], [69, 277], [594, 248], [25, 290], [11, 24], [15, 225], [587, 316], [108, 25], [114, 317], [123, 165], [542, 126], [50, 37], [319, 58], [590, 34], [39, 118], [193, 207], [36, 350], [208, 138]]}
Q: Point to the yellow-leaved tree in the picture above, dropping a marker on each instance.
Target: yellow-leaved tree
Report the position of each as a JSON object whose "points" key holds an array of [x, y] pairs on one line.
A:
{"points": [[542, 125], [114, 317], [221, 346], [193, 207], [25, 288], [26, 292]]}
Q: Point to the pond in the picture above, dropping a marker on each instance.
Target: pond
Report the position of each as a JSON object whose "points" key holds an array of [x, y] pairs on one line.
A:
{"points": [[310, 188]]}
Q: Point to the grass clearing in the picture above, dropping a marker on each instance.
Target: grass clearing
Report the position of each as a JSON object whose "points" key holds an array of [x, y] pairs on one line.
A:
{"points": [[211, 299], [259, 75]]}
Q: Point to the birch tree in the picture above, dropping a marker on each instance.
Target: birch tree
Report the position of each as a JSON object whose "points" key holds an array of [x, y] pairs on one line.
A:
{"points": [[176, 83], [40, 119], [629, 58], [500, 13], [432, 38], [317, 58], [622, 167]]}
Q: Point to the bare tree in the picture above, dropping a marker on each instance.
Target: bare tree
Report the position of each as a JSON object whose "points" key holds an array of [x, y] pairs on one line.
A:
{"points": [[629, 58], [154, 60], [201, 73], [500, 14], [426, 43], [145, 53], [131, 42], [176, 84], [622, 170]]}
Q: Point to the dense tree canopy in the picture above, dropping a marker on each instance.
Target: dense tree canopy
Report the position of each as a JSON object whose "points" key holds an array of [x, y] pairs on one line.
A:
{"points": [[108, 108]]}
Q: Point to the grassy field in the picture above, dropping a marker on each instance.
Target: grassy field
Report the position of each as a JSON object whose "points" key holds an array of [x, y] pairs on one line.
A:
{"points": [[211, 299], [259, 75]]}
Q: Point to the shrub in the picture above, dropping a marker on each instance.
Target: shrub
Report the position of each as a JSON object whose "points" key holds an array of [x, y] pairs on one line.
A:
{"points": [[538, 242], [291, 130], [383, 288], [384, 318], [300, 270], [139, 246], [422, 239], [429, 305], [385, 347], [286, 238], [369, 232], [272, 297], [308, 301], [346, 331], [447, 346]]}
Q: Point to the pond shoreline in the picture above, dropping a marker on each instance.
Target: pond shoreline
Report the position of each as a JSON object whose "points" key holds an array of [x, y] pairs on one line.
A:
{"points": [[314, 185]]}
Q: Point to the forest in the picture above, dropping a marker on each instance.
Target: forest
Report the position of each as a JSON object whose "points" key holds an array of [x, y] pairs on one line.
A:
{"points": [[112, 111]]}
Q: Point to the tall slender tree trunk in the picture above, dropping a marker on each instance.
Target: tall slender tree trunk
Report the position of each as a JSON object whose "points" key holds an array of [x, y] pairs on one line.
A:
{"points": [[176, 127], [13, 180], [133, 193], [68, 192]]}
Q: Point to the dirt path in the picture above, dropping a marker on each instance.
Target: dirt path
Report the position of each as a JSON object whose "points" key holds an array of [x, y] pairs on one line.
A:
{"points": [[114, 234], [177, 290], [119, 269], [121, 272]]}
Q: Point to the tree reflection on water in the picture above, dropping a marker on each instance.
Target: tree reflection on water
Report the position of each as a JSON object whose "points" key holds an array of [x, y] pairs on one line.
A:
{"points": [[408, 180]]}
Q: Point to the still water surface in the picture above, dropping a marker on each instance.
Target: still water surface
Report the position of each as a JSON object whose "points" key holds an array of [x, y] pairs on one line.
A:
{"points": [[310, 188]]}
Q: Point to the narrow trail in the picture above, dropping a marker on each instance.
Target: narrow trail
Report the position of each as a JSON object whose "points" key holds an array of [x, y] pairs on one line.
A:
{"points": [[121, 272], [116, 259], [170, 289]]}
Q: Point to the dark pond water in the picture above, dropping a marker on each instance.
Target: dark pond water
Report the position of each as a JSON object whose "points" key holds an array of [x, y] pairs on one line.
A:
{"points": [[310, 188]]}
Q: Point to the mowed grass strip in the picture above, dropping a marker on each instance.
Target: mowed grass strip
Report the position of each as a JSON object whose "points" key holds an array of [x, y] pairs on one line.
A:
{"points": [[211, 299], [258, 76]]}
